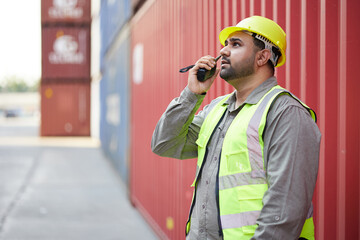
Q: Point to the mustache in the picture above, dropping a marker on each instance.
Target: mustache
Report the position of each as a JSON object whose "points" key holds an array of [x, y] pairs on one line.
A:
{"points": [[225, 60]]}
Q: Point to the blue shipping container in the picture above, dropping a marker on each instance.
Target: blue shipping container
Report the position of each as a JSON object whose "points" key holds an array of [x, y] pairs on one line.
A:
{"points": [[114, 105], [113, 16]]}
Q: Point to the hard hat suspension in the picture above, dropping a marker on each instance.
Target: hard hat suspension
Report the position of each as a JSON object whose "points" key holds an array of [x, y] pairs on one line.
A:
{"points": [[274, 50]]}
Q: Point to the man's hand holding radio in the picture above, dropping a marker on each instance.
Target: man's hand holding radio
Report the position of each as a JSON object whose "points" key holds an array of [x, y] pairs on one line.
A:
{"points": [[206, 62]]}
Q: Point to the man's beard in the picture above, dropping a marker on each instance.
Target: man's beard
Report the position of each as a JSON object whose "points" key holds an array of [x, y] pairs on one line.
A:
{"points": [[246, 69]]}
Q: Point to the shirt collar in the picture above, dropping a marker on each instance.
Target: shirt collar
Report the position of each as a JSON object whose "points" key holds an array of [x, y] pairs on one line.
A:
{"points": [[255, 95]]}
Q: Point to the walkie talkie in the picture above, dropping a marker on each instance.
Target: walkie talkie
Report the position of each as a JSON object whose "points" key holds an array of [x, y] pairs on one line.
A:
{"points": [[203, 74]]}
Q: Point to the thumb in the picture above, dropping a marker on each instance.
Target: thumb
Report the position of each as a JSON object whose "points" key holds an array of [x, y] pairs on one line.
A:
{"points": [[215, 74]]}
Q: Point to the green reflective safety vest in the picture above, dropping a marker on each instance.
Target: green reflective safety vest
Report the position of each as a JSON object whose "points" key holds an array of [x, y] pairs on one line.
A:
{"points": [[242, 177]]}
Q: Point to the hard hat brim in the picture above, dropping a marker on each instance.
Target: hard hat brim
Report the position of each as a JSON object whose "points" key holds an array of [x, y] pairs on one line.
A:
{"points": [[226, 32]]}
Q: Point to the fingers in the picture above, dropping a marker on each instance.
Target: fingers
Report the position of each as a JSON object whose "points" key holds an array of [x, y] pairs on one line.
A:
{"points": [[206, 62], [199, 87]]}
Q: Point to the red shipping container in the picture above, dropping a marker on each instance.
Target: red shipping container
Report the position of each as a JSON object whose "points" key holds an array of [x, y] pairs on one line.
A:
{"points": [[66, 52], [65, 109], [65, 11], [321, 69]]}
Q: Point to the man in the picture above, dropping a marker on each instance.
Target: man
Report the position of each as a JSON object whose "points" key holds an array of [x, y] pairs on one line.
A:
{"points": [[257, 148]]}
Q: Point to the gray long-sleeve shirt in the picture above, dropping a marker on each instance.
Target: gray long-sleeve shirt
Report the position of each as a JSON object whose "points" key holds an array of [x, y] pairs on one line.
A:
{"points": [[291, 152]]}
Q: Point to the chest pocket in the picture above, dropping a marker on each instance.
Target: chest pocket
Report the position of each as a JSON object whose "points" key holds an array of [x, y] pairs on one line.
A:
{"points": [[238, 162]]}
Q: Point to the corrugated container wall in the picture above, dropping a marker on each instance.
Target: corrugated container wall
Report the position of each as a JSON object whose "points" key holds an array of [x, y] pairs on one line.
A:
{"points": [[321, 69], [115, 104], [113, 16], [65, 108]]}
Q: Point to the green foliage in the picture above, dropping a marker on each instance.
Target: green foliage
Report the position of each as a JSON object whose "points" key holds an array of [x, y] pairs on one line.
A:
{"points": [[16, 84]]}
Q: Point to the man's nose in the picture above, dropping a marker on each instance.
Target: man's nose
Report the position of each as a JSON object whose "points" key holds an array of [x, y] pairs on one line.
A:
{"points": [[225, 51]]}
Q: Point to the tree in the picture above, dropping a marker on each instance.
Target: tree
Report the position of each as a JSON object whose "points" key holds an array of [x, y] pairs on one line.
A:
{"points": [[16, 84]]}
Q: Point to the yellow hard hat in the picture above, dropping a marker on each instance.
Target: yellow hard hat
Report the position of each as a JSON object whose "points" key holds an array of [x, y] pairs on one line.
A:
{"points": [[262, 27]]}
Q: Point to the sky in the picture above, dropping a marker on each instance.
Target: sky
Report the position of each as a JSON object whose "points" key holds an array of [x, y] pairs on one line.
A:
{"points": [[20, 39]]}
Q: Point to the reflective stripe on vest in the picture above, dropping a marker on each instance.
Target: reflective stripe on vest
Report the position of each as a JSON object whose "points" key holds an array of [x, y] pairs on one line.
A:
{"points": [[242, 176]]}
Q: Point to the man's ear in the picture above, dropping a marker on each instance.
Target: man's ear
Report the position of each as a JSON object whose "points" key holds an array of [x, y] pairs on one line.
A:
{"points": [[263, 57]]}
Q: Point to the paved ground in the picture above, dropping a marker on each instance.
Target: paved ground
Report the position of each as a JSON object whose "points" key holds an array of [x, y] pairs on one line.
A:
{"points": [[61, 189]]}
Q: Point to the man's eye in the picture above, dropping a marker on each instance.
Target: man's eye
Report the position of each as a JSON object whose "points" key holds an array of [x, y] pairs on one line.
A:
{"points": [[236, 44]]}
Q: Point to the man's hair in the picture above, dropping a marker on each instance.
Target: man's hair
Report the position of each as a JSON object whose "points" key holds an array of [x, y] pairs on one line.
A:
{"points": [[261, 45]]}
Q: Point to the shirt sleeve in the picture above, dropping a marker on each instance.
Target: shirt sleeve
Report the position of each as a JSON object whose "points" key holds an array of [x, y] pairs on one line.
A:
{"points": [[291, 153], [178, 128]]}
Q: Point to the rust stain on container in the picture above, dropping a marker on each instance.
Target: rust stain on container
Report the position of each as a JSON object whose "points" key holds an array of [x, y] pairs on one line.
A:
{"points": [[48, 92]]}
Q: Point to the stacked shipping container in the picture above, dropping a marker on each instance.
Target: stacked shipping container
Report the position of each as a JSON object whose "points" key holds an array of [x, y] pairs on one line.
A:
{"points": [[167, 35], [65, 83], [114, 85]]}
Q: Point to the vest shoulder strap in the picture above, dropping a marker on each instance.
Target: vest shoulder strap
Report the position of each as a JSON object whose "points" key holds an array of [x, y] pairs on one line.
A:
{"points": [[311, 112]]}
